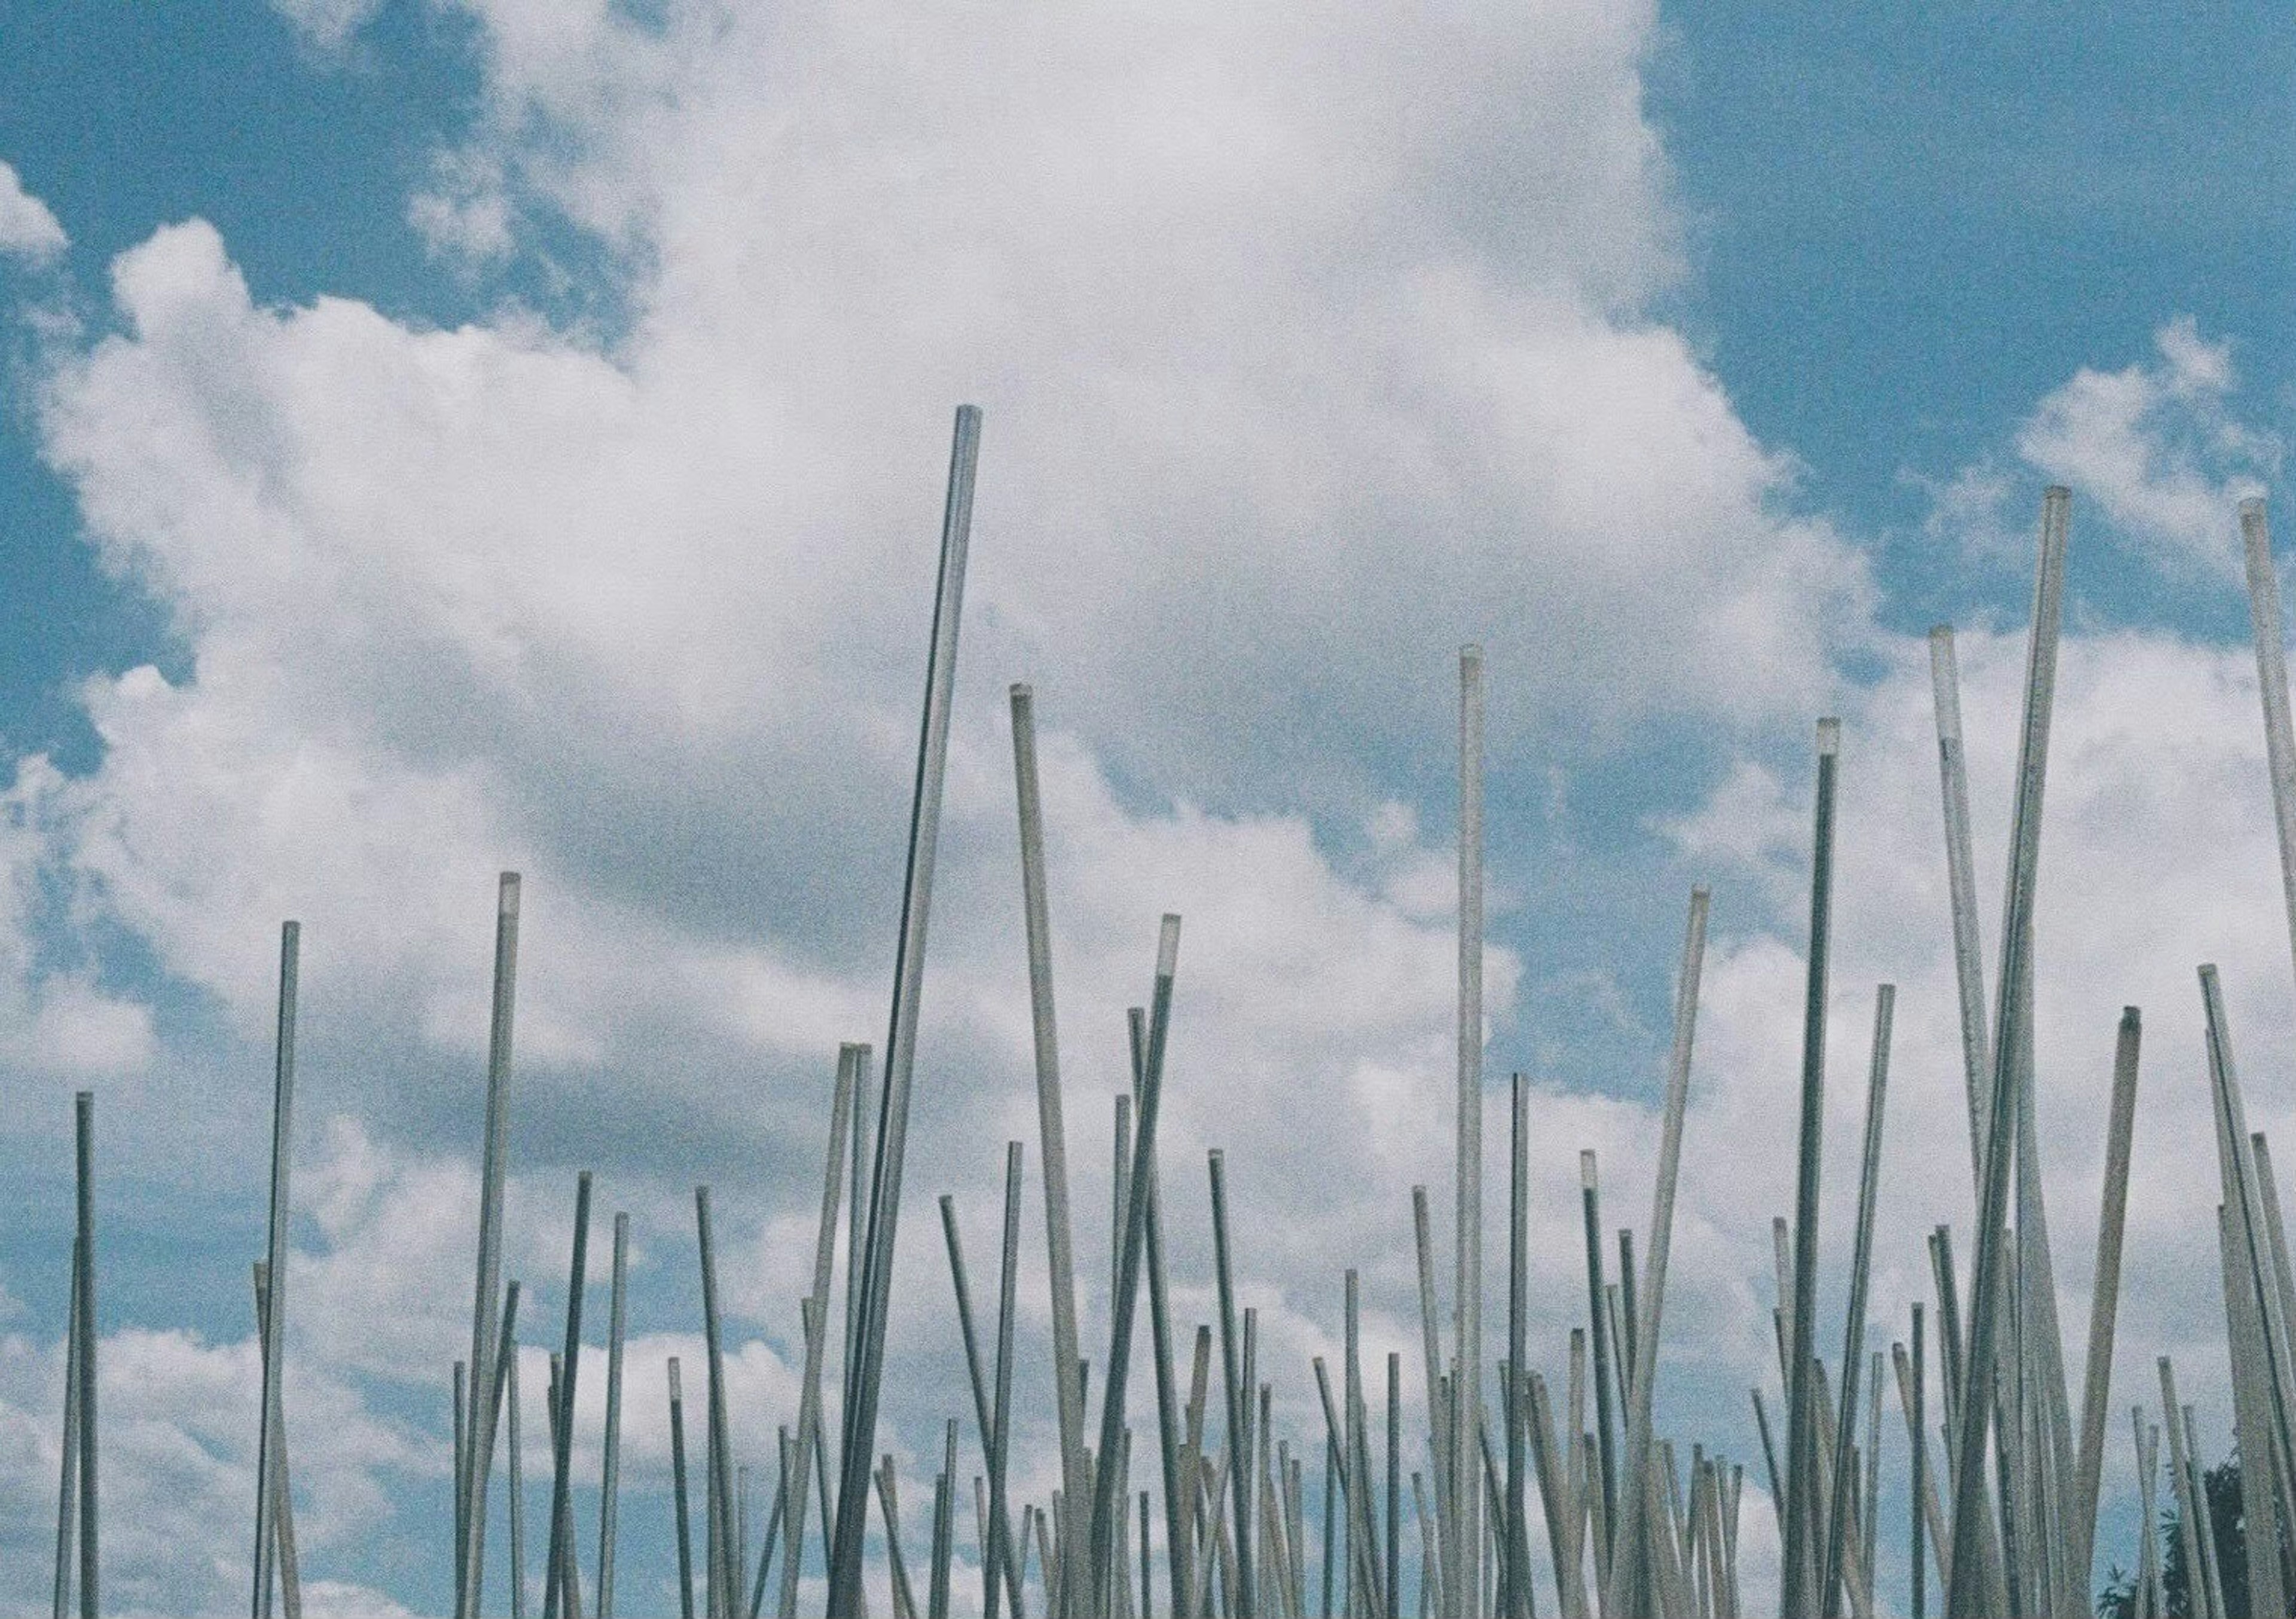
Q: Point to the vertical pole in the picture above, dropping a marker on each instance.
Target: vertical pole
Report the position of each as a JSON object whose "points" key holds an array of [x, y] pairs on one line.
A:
{"points": [[1885, 1000], [1241, 1595], [67, 1489], [1920, 1453], [876, 1280], [2105, 1297], [83, 1102], [1467, 1322], [1517, 1537], [517, 1491], [851, 1060], [494, 1168], [678, 1485], [269, 1475], [562, 1483], [999, 1554], [617, 1321], [1591, 1201], [1796, 1576]]}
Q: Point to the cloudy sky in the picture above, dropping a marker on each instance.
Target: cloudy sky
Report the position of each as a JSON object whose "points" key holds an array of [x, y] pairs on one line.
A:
{"points": [[451, 436]]}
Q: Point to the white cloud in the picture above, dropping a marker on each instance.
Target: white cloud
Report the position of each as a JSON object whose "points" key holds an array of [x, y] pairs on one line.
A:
{"points": [[2159, 448], [28, 230]]}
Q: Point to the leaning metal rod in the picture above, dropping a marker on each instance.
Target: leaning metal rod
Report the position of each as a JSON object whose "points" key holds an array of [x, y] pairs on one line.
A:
{"points": [[723, 1571], [999, 1551], [1624, 1579], [678, 1484], [269, 1470], [1241, 1590], [1159, 1329], [84, 1277], [517, 1478], [2105, 1297], [1961, 886], [471, 1489], [1591, 1199], [1107, 1501], [1517, 1530], [617, 1317], [2272, 684], [876, 1280], [1964, 1599], [983, 1409], [1068, 1393], [1467, 1299], [562, 1483], [850, 1059], [67, 1487], [1853, 1345], [1796, 1573], [282, 1509]]}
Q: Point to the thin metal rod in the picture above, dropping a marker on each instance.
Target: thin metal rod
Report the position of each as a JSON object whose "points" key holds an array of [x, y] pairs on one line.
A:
{"points": [[1917, 1444], [851, 1060], [983, 1401], [1853, 1337], [268, 1469], [1242, 1590], [1000, 1462], [2105, 1295], [1108, 1501], [1598, 1328], [1797, 1574], [1467, 1323], [678, 1484], [724, 1573], [282, 1506], [83, 1276], [617, 1321], [517, 1484], [2272, 686], [1626, 1578], [1963, 1597], [471, 1489], [860, 1436], [67, 1489], [1518, 1529], [561, 1481], [1067, 1391]]}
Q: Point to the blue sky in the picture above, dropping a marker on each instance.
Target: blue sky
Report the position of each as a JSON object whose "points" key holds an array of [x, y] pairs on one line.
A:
{"points": [[585, 403]]}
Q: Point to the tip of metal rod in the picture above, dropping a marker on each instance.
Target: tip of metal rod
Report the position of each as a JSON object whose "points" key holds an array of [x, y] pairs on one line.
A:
{"points": [[2057, 495], [1829, 737], [1167, 945], [1586, 1167], [1941, 634], [507, 895]]}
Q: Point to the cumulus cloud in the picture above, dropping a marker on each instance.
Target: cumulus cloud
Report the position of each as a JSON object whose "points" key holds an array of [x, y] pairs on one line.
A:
{"points": [[28, 230]]}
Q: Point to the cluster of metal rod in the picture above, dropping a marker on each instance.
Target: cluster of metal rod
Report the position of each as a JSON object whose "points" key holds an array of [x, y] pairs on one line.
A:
{"points": [[2008, 1522]]}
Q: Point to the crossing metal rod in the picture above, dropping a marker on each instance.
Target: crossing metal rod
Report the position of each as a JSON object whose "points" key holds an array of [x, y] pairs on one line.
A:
{"points": [[2105, 1295], [84, 1278], [1626, 1576], [67, 1489], [876, 1279], [1797, 1574], [1060, 1254], [1465, 1564], [1885, 1002], [269, 1471], [1964, 1596], [562, 1483], [471, 1489], [851, 1060], [618, 1320]]}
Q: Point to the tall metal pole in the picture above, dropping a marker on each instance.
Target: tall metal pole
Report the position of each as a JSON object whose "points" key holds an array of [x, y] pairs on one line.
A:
{"points": [[1965, 1595], [1465, 1566], [268, 1472], [562, 1483], [618, 1319], [84, 1277], [2105, 1297], [860, 1436], [851, 1061], [1068, 1393], [1869, 1180], [1797, 1576], [486, 1309]]}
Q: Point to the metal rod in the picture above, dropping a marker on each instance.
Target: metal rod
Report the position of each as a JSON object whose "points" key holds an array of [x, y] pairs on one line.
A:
{"points": [[84, 1277], [517, 1481], [2105, 1295], [677, 1483], [1068, 1393], [67, 1489], [723, 1576], [471, 1489], [860, 1436], [269, 1471], [1467, 1323], [851, 1059], [561, 1481], [1625, 1578], [999, 1552], [1242, 1590], [1853, 1337], [282, 1506], [618, 1319]]}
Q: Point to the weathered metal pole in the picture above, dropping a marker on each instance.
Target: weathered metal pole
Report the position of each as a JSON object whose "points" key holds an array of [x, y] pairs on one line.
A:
{"points": [[494, 1169], [618, 1319], [876, 1282], [561, 1481], [269, 1473], [2105, 1297], [1465, 1564], [83, 1276], [1800, 1594], [1869, 1178]]}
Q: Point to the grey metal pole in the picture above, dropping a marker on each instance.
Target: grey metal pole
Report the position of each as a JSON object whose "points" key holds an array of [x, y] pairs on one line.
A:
{"points": [[618, 1319], [726, 1577], [268, 1472], [1798, 1595], [1467, 1326], [282, 1506], [2105, 1297], [678, 1485], [67, 1490], [850, 1060], [1853, 1344], [1964, 1599], [1108, 1503], [860, 1435], [1590, 1198], [517, 1484], [83, 1274], [561, 1481], [2272, 686], [1918, 1444], [494, 1168], [1518, 1535], [1626, 1574], [1069, 1395], [983, 1406], [999, 1553], [1242, 1594], [1394, 1608]]}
